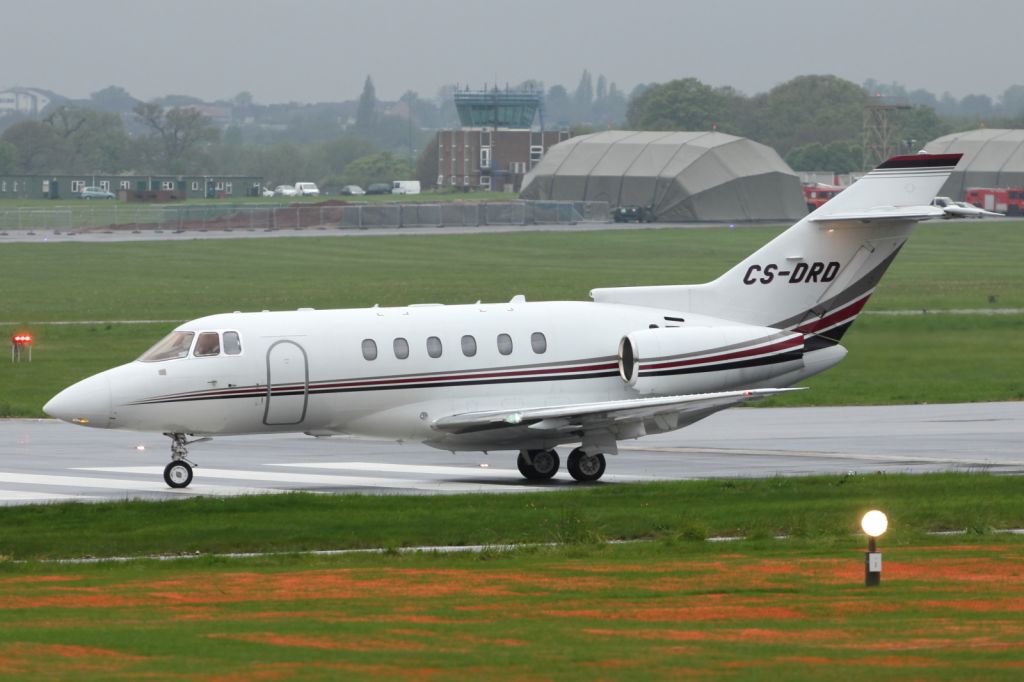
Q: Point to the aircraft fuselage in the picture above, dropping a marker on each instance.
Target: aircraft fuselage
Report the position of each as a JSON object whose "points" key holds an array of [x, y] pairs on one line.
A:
{"points": [[388, 372]]}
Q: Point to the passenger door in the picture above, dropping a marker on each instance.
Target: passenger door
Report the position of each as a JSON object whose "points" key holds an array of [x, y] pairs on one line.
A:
{"points": [[287, 384]]}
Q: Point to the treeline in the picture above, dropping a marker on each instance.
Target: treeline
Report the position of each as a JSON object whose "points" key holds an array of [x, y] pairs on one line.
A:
{"points": [[815, 122]]}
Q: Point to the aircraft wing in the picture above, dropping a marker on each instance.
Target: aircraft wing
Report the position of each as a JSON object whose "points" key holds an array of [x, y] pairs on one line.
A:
{"points": [[613, 419]]}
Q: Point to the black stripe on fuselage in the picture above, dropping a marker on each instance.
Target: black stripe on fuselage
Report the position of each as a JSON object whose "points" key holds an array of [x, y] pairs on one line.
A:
{"points": [[739, 364], [384, 387]]}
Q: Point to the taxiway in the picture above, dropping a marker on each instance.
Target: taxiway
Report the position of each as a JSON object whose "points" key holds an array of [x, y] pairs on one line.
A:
{"points": [[42, 460]]}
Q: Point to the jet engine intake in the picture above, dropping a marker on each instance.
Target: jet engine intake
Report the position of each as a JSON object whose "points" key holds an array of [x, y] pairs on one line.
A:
{"points": [[699, 359]]}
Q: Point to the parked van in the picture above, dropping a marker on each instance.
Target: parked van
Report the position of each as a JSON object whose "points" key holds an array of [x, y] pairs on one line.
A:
{"points": [[307, 189], [405, 187]]}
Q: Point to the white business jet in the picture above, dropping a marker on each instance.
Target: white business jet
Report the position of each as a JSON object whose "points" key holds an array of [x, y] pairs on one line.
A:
{"points": [[522, 376]]}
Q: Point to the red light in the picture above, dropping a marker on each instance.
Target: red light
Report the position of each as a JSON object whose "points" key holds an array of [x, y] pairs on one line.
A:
{"points": [[21, 339]]}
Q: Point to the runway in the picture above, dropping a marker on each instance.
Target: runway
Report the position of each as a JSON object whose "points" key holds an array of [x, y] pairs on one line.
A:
{"points": [[42, 460]]}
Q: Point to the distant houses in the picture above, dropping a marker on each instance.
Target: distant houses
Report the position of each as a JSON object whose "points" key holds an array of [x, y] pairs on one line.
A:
{"points": [[131, 187], [25, 101]]}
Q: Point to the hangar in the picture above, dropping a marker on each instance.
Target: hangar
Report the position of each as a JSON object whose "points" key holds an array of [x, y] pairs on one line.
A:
{"points": [[993, 157], [683, 176]]}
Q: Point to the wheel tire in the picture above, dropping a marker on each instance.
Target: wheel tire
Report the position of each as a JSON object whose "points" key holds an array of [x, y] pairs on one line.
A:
{"points": [[544, 464], [585, 468], [178, 474]]}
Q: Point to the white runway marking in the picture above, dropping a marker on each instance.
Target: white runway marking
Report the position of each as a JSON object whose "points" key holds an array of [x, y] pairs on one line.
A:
{"points": [[468, 471], [26, 496], [315, 479], [867, 457], [126, 485]]}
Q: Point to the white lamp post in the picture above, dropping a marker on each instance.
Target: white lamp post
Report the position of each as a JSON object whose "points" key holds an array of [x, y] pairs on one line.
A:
{"points": [[874, 524]]}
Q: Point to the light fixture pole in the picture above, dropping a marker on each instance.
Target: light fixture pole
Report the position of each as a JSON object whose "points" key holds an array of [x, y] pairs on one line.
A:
{"points": [[874, 524]]}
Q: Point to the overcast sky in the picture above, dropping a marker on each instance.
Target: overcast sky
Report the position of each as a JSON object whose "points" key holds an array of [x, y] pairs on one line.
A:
{"points": [[322, 50]]}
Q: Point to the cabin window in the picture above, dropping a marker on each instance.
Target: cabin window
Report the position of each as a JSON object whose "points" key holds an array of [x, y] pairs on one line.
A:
{"points": [[172, 347], [468, 346], [401, 348], [504, 344], [369, 349], [538, 342], [207, 345], [232, 343], [433, 346]]}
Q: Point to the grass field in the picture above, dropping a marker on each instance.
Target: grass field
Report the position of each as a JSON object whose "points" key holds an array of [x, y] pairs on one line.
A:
{"points": [[671, 606], [577, 604], [933, 358]]}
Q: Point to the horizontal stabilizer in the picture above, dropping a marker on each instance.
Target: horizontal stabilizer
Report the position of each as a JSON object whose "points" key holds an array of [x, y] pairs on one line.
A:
{"points": [[880, 213]]}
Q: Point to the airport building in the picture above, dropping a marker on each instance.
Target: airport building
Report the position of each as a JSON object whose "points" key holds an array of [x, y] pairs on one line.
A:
{"points": [[679, 176], [131, 187], [992, 157], [497, 143]]}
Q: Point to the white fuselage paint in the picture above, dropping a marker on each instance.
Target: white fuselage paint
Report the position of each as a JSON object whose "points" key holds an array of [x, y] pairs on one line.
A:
{"points": [[394, 398]]}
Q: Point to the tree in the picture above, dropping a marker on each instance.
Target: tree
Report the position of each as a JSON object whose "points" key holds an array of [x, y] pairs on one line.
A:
{"points": [[1012, 101], [426, 165], [382, 167], [39, 147], [837, 157], [685, 104], [917, 127], [366, 112], [558, 106], [9, 158], [583, 98], [336, 155], [114, 98], [976, 106], [808, 109], [91, 140], [178, 133]]}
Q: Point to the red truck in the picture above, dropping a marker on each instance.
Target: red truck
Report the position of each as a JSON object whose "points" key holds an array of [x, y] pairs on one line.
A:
{"points": [[817, 193], [1008, 200]]}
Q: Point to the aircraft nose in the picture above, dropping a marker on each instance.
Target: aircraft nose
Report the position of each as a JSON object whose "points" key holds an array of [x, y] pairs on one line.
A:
{"points": [[86, 403]]}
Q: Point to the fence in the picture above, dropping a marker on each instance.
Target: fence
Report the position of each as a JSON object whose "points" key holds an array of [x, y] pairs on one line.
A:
{"points": [[112, 216]]}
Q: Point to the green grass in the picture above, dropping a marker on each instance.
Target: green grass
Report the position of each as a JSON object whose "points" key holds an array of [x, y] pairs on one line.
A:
{"points": [[664, 611], [826, 509], [934, 358], [672, 606]]}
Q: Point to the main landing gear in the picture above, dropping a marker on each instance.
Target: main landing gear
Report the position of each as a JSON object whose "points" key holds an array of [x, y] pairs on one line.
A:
{"points": [[541, 465], [178, 473]]}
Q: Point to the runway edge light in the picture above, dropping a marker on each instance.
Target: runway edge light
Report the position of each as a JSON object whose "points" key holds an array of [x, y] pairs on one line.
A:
{"points": [[874, 524], [19, 343]]}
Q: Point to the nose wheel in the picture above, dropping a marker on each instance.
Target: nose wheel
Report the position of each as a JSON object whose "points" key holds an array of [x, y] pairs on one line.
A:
{"points": [[178, 473]]}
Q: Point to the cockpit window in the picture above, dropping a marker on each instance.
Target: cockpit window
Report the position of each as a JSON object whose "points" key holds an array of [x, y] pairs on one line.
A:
{"points": [[173, 346], [208, 345], [232, 344]]}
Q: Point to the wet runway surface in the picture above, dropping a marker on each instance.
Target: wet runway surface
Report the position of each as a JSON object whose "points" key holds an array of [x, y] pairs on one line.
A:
{"points": [[48, 461]]}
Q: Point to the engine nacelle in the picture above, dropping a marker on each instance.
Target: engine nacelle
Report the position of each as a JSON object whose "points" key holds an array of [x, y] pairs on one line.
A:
{"points": [[673, 360]]}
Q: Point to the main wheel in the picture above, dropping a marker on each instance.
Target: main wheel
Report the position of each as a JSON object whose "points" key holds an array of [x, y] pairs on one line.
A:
{"points": [[538, 465], [178, 474], [584, 467]]}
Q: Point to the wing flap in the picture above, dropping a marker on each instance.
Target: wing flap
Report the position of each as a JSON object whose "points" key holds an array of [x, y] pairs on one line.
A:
{"points": [[615, 415]]}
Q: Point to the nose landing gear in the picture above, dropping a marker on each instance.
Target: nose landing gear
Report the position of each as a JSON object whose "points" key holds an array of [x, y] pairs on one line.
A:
{"points": [[178, 473]]}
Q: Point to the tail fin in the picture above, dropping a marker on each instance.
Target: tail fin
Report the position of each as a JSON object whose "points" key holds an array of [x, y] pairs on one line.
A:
{"points": [[816, 276]]}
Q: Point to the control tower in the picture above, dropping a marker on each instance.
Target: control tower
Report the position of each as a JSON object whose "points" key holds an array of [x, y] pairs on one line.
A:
{"points": [[513, 109], [497, 142]]}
